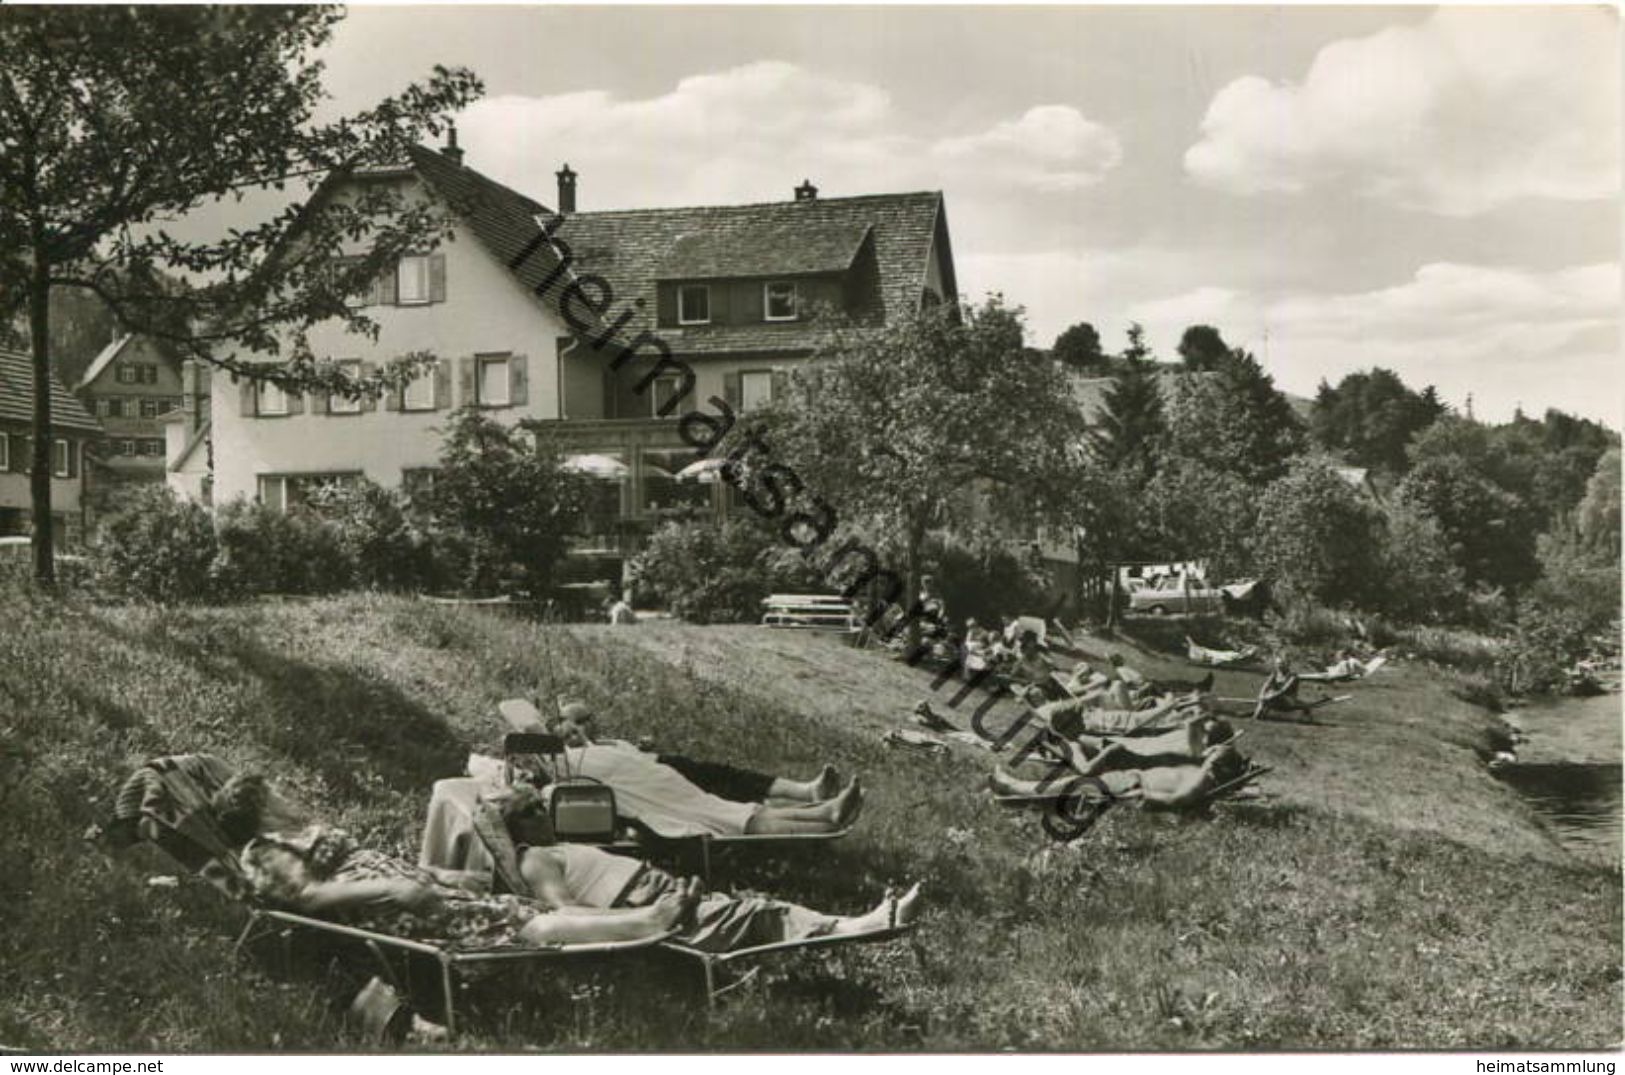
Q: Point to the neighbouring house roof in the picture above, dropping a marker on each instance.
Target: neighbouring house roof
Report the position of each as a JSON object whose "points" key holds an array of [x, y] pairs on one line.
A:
{"points": [[633, 249], [17, 397], [200, 436], [102, 361], [636, 248]]}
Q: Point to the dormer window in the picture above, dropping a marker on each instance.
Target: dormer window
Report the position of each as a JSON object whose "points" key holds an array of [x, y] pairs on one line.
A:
{"points": [[779, 301], [694, 305]]}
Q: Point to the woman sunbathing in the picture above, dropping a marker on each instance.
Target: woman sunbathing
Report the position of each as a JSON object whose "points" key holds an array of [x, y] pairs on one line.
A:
{"points": [[1078, 716], [576, 877], [321, 871], [1169, 787], [659, 797]]}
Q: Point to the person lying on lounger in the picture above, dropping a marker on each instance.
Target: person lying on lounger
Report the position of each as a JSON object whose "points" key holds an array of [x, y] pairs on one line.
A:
{"points": [[660, 798], [575, 877], [1079, 716], [1200, 654], [1346, 668], [580, 729], [1093, 754], [1169, 787], [320, 871]]}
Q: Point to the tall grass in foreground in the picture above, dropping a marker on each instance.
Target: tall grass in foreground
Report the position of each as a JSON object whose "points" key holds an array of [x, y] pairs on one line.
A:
{"points": [[1264, 926]]}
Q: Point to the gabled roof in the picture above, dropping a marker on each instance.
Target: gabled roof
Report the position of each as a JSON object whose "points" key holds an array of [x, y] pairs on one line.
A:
{"points": [[200, 435], [751, 248], [102, 361], [17, 397], [635, 248], [504, 221]]}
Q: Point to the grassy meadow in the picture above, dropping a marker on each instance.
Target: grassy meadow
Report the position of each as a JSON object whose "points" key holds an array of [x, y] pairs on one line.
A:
{"points": [[1388, 893]]}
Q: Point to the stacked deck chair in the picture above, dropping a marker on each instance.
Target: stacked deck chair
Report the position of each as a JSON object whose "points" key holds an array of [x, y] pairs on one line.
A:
{"points": [[167, 802], [499, 847], [528, 739]]}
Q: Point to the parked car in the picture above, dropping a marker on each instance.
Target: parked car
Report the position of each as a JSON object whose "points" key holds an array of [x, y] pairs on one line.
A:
{"points": [[1176, 593]]}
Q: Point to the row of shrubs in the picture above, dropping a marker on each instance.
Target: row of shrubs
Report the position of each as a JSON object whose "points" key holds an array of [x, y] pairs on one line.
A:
{"points": [[161, 548]]}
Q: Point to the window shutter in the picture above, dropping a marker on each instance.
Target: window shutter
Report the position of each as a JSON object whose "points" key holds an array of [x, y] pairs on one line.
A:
{"points": [[730, 389], [370, 402], [437, 278], [296, 402], [465, 380], [387, 287], [442, 385], [73, 458], [248, 399], [519, 380], [18, 449], [781, 385]]}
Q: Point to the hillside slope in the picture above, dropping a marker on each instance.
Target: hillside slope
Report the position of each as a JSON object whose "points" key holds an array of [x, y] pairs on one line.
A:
{"points": [[1388, 895]]}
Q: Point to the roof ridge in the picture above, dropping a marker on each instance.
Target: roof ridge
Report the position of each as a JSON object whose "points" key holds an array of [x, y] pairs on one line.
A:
{"points": [[757, 205]]}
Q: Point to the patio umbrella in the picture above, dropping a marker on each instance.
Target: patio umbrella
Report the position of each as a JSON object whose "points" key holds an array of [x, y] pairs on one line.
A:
{"points": [[597, 466], [702, 470]]}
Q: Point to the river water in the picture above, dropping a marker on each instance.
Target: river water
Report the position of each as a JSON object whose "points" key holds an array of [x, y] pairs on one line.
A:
{"points": [[1570, 771]]}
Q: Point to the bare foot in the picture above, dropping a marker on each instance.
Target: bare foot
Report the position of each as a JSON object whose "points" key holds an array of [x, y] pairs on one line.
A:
{"points": [[849, 804], [826, 785], [908, 906], [672, 909], [891, 911]]}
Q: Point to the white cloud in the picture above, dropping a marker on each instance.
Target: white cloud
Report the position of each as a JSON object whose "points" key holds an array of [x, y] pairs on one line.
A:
{"points": [[1051, 147], [1507, 336], [1471, 109], [751, 133]]}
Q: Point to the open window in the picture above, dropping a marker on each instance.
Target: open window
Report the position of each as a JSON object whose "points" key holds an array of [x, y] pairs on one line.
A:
{"points": [[779, 301], [694, 305]]}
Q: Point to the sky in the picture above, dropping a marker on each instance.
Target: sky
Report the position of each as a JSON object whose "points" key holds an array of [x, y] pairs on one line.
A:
{"points": [[1435, 191]]}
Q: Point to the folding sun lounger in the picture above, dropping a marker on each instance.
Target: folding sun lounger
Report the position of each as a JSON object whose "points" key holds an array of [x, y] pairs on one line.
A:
{"points": [[498, 845], [528, 738], [166, 802], [1101, 799]]}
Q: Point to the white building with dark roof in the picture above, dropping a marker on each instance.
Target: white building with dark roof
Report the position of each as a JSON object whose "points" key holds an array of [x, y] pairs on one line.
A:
{"points": [[730, 291]]}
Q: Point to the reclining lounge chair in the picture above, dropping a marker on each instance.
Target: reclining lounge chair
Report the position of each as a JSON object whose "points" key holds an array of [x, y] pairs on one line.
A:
{"points": [[528, 739], [499, 848], [167, 803]]}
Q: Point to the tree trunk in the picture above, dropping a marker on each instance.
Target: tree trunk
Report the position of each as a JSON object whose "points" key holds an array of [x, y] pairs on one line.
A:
{"points": [[916, 541], [39, 478]]}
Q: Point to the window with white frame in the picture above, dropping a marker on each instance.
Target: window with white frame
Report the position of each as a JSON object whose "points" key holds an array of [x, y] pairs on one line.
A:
{"points": [[779, 300], [338, 402], [153, 446], [61, 452], [755, 389], [270, 399], [694, 305], [149, 408], [412, 280], [127, 374], [419, 393], [125, 446], [493, 389], [284, 491]]}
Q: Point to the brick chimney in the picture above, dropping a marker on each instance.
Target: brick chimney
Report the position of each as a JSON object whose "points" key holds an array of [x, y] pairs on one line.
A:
{"points": [[806, 192], [450, 150], [567, 189]]}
